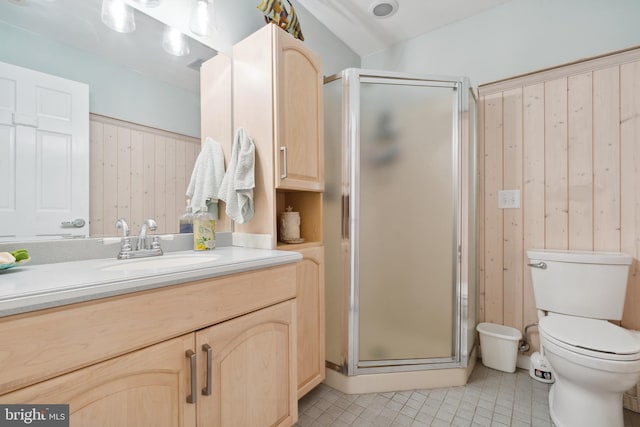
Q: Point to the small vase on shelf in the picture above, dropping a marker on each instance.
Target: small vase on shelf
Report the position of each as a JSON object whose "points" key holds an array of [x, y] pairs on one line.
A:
{"points": [[290, 226]]}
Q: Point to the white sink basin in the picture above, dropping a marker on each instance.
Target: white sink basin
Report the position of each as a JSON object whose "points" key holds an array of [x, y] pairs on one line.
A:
{"points": [[161, 262]]}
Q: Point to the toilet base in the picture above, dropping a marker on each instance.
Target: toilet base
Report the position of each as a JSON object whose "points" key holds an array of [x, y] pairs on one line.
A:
{"points": [[572, 406]]}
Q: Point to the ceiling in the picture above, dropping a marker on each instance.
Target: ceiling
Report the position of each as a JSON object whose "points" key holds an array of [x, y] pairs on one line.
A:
{"points": [[77, 23], [365, 34]]}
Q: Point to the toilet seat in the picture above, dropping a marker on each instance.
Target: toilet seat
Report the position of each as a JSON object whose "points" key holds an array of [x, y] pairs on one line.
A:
{"points": [[591, 337]]}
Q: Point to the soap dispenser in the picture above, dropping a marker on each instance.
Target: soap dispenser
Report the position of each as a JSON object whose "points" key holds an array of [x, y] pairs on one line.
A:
{"points": [[186, 220], [204, 230]]}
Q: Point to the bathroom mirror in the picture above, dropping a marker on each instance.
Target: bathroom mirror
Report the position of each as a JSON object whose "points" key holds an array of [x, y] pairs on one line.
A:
{"points": [[127, 72], [67, 38]]}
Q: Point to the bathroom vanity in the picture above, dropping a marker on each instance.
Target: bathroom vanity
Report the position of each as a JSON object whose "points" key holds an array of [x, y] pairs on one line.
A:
{"points": [[173, 341], [212, 344]]}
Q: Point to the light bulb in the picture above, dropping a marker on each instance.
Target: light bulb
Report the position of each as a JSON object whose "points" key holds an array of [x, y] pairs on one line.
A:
{"points": [[149, 3], [174, 42], [203, 18], [118, 16]]}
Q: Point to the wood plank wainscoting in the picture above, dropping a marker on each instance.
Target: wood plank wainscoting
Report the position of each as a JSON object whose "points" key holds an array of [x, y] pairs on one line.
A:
{"points": [[137, 172], [569, 139]]}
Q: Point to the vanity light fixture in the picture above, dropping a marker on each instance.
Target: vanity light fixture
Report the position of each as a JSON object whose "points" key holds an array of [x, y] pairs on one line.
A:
{"points": [[174, 42], [203, 18], [118, 16]]}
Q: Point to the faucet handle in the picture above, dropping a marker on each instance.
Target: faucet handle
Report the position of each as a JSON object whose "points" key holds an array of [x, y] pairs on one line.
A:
{"points": [[125, 249], [155, 243], [126, 245], [122, 224]]}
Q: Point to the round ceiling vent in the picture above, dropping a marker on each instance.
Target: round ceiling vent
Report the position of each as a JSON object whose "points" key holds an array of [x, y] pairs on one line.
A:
{"points": [[383, 8]]}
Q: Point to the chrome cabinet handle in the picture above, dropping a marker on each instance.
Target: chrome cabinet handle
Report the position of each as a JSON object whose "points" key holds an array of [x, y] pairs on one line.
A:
{"points": [[206, 391], [542, 265], [194, 389], [284, 159]]}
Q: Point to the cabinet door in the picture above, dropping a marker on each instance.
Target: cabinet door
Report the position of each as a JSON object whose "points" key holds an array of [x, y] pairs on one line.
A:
{"points": [[298, 110], [148, 387], [310, 316], [253, 379]]}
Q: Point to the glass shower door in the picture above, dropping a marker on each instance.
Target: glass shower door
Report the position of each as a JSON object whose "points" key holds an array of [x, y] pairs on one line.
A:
{"points": [[405, 248]]}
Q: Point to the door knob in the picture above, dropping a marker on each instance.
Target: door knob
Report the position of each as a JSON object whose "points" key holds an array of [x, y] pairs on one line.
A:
{"points": [[76, 223]]}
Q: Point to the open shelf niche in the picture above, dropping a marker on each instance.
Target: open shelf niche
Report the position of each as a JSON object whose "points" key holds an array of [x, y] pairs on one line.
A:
{"points": [[309, 204]]}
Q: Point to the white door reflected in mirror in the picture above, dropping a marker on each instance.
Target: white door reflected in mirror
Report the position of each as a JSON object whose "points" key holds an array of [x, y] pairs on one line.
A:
{"points": [[44, 155]]}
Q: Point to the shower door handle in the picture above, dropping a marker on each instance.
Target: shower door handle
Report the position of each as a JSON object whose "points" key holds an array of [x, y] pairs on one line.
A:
{"points": [[284, 161]]}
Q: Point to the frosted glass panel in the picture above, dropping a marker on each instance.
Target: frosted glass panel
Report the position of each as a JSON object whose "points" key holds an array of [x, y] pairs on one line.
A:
{"points": [[406, 222], [335, 266]]}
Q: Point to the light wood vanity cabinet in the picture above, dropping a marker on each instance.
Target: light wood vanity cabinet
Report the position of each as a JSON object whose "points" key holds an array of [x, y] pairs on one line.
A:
{"points": [[277, 98], [298, 127], [142, 359], [251, 359], [310, 319], [143, 388]]}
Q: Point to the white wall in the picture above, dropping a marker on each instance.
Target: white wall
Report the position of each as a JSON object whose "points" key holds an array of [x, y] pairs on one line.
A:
{"points": [[336, 56], [516, 38]]}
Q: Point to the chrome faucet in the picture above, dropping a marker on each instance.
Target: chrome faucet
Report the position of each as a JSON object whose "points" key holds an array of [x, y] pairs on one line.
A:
{"points": [[125, 245], [148, 224], [141, 250], [121, 223]]}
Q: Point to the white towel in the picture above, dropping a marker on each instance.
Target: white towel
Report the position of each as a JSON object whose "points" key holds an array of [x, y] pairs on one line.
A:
{"points": [[237, 186], [207, 175]]}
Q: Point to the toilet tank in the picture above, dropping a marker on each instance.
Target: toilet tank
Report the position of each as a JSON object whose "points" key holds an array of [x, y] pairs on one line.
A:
{"points": [[579, 283]]}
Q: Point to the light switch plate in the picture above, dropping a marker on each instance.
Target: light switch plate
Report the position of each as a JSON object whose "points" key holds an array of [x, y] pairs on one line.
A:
{"points": [[509, 199]]}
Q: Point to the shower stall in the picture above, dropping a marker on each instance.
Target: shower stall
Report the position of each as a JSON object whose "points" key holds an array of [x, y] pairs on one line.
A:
{"points": [[399, 222]]}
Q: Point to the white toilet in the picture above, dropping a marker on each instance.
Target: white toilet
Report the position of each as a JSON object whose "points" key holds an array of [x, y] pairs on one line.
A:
{"points": [[594, 361]]}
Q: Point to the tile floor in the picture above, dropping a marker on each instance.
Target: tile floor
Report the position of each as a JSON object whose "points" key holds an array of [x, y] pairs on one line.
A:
{"points": [[491, 398]]}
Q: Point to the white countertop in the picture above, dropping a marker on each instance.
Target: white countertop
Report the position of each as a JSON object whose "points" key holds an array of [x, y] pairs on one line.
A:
{"points": [[33, 287]]}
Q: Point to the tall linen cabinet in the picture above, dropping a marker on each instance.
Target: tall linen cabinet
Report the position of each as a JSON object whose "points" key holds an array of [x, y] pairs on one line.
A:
{"points": [[277, 98]]}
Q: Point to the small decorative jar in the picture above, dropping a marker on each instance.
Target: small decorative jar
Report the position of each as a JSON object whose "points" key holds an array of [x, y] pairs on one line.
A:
{"points": [[290, 226]]}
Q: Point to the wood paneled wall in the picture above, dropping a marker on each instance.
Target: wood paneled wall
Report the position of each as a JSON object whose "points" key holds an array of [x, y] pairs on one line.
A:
{"points": [[137, 172], [569, 139]]}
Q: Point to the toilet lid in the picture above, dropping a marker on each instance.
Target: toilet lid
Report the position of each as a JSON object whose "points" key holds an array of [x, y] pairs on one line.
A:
{"points": [[591, 334]]}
